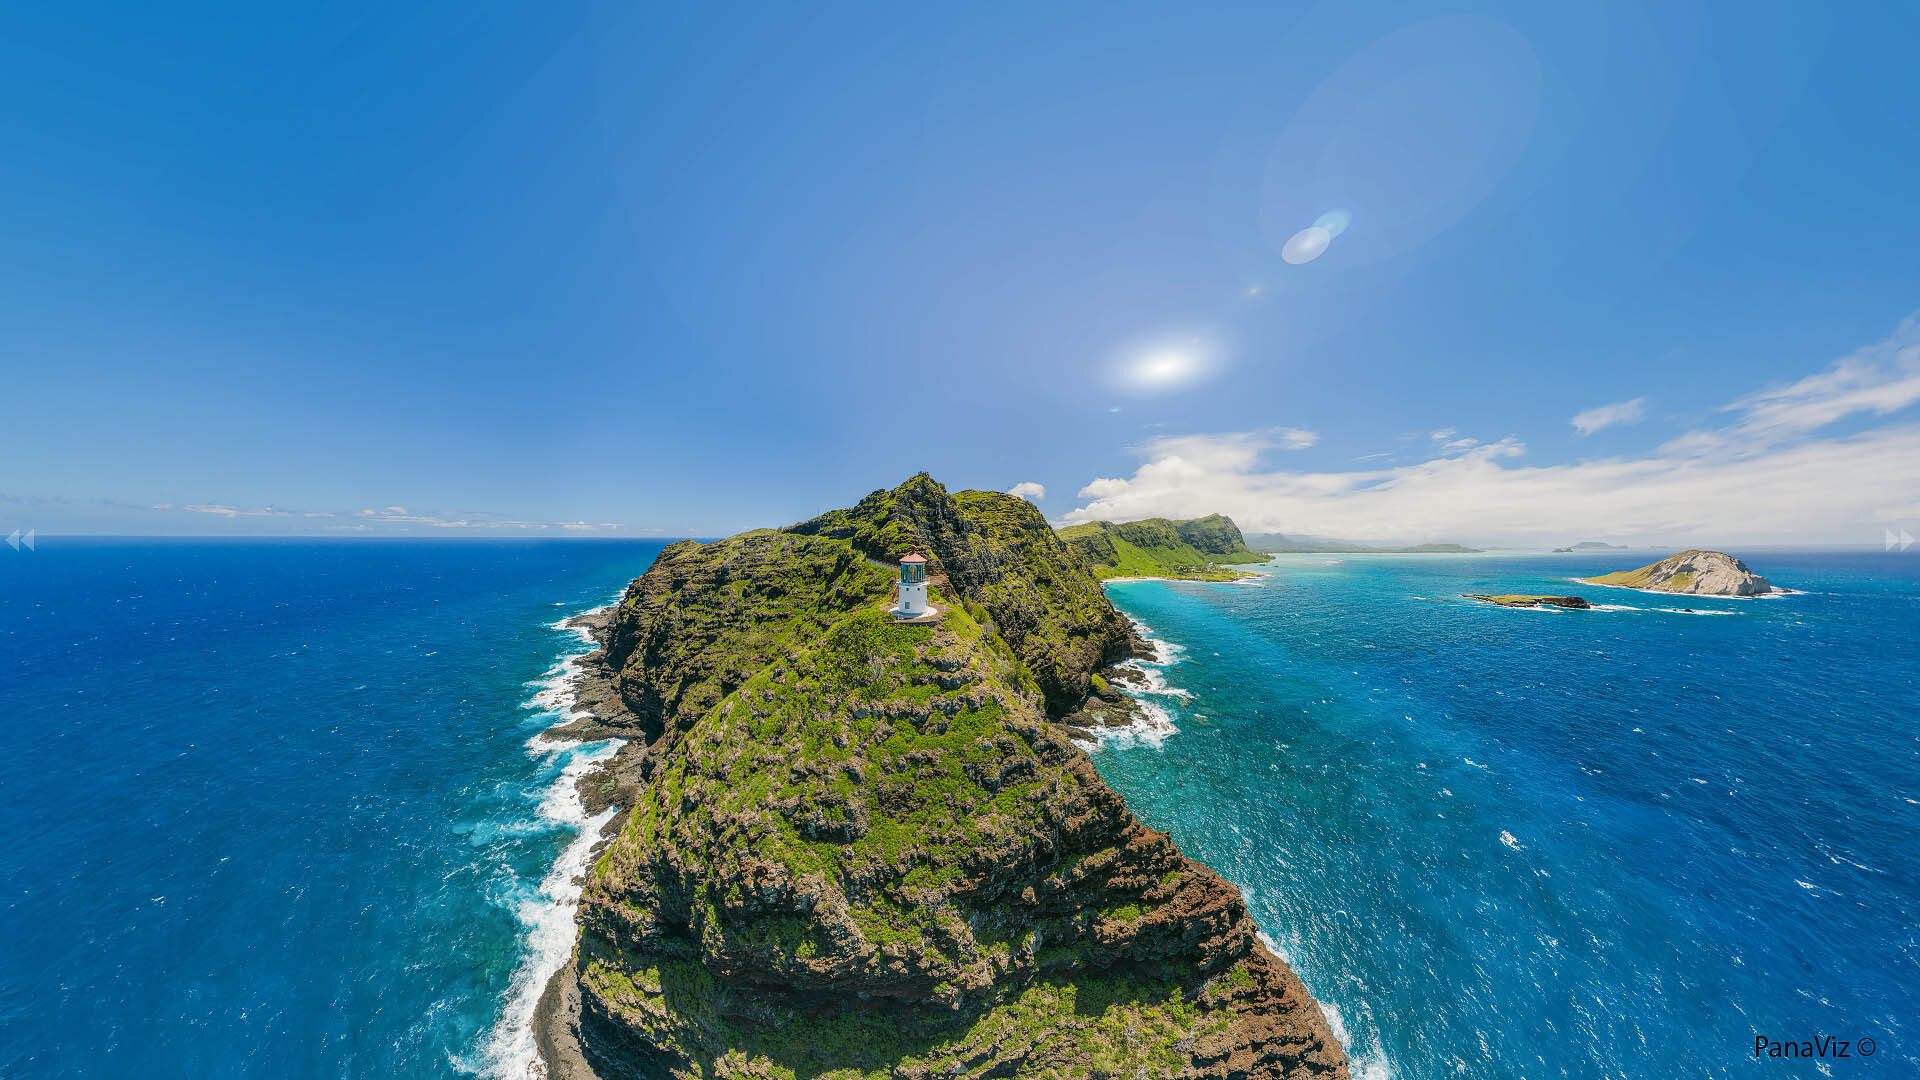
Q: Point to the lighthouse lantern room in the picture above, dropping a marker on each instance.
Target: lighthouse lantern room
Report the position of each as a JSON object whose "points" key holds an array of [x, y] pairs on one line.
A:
{"points": [[912, 601]]}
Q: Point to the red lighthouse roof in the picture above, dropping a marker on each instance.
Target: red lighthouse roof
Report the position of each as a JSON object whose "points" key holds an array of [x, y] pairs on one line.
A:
{"points": [[914, 557]]}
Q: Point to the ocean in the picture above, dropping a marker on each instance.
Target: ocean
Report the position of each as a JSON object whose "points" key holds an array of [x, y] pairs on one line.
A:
{"points": [[1543, 843], [276, 809], [271, 806]]}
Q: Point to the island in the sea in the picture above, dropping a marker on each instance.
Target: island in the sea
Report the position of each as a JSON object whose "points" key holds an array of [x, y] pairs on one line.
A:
{"points": [[1196, 549], [1694, 572], [1590, 545], [1523, 600], [855, 846]]}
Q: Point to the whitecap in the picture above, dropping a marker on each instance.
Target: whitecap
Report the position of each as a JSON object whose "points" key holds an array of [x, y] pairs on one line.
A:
{"points": [[1151, 726], [507, 1049]]}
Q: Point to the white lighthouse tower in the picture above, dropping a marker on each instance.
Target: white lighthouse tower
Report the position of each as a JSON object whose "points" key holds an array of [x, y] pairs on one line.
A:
{"points": [[912, 602]]}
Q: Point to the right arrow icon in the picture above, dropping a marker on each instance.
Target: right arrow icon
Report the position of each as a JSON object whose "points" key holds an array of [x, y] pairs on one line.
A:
{"points": [[1903, 541]]}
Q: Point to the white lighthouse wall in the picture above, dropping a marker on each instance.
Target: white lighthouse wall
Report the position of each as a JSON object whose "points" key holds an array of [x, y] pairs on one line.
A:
{"points": [[913, 599]]}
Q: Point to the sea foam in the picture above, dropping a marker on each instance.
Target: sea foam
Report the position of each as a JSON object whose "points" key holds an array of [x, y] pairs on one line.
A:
{"points": [[1154, 723], [507, 1050]]}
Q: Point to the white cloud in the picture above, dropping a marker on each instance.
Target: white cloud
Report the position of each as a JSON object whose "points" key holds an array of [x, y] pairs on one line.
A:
{"points": [[1761, 478], [393, 516], [1030, 490], [1606, 416], [1882, 378], [1294, 438], [235, 511]]}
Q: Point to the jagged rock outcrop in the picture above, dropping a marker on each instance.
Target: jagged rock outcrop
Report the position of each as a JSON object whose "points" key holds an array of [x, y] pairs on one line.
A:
{"points": [[863, 848], [1694, 572]]}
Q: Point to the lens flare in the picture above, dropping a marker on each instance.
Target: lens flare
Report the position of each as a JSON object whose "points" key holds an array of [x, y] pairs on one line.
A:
{"points": [[1334, 221], [1306, 245]]}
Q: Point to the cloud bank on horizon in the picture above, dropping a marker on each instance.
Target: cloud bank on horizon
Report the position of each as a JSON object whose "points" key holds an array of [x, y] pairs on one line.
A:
{"points": [[1770, 474]]}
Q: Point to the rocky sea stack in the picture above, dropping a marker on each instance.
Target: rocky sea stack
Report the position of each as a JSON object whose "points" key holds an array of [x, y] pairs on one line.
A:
{"points": [[1694, 572], [858, 848]]}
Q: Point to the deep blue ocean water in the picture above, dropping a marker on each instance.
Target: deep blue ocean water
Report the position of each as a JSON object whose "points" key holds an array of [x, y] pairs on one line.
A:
{"points": [[1521, 843], [271, 808]]}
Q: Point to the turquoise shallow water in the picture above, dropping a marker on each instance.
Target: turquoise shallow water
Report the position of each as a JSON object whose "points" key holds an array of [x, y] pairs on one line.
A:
{"points": [[1518, 843]]}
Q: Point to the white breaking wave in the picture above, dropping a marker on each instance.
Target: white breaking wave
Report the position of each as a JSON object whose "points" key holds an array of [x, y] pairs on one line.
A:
{"points": [[507, 1051], [1363, 1063], [1154, 724]]}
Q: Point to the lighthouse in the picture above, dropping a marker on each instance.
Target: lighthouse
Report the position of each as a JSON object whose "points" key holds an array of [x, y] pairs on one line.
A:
{"points": [[912, 603]]}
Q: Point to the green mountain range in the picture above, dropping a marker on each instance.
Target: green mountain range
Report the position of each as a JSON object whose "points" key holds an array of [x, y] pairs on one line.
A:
{"points": [[1200, 549]]}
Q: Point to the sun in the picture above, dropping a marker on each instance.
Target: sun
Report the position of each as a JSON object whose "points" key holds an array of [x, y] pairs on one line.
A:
{"points": [[1169, 363]]}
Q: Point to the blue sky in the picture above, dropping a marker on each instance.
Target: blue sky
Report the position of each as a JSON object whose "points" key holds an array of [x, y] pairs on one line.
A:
{"points": [[311, 269]]}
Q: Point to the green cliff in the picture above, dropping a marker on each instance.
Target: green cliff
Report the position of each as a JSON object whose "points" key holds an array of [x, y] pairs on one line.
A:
{"points": [[1199, 548], [860, 848]]}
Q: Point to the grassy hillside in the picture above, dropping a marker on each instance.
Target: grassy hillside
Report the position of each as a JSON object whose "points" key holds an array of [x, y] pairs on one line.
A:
{"points": [[1199, 549], [864, 852]]}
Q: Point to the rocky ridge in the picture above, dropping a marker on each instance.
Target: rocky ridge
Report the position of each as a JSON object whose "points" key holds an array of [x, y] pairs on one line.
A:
{"points": [[857, 848]]}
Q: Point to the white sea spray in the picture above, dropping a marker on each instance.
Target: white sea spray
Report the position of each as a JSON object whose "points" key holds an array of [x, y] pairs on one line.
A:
{"points": [[507, 1050]]}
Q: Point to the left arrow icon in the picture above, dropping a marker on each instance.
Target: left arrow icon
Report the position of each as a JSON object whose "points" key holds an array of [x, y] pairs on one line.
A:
{"points": [[13, 540], [28, 540]]}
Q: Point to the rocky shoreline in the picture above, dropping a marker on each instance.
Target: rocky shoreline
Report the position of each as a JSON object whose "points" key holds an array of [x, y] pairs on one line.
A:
{"points": [[614, 782], [1012, 886]]}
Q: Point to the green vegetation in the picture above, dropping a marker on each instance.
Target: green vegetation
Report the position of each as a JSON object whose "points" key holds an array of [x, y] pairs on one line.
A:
{"points": [[1096, 1026], [1199, 549], [862, 850]]}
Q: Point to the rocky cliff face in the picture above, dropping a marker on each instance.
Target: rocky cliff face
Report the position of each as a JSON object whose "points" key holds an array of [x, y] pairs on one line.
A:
{"points": [[1215, 534], [1695, 572], [1158, 547], [863, 848]]}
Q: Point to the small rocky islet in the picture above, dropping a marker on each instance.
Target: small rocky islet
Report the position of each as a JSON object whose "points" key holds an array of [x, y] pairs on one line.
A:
{"points": [[855, 848], [1523, 600], [1695, 572]]}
